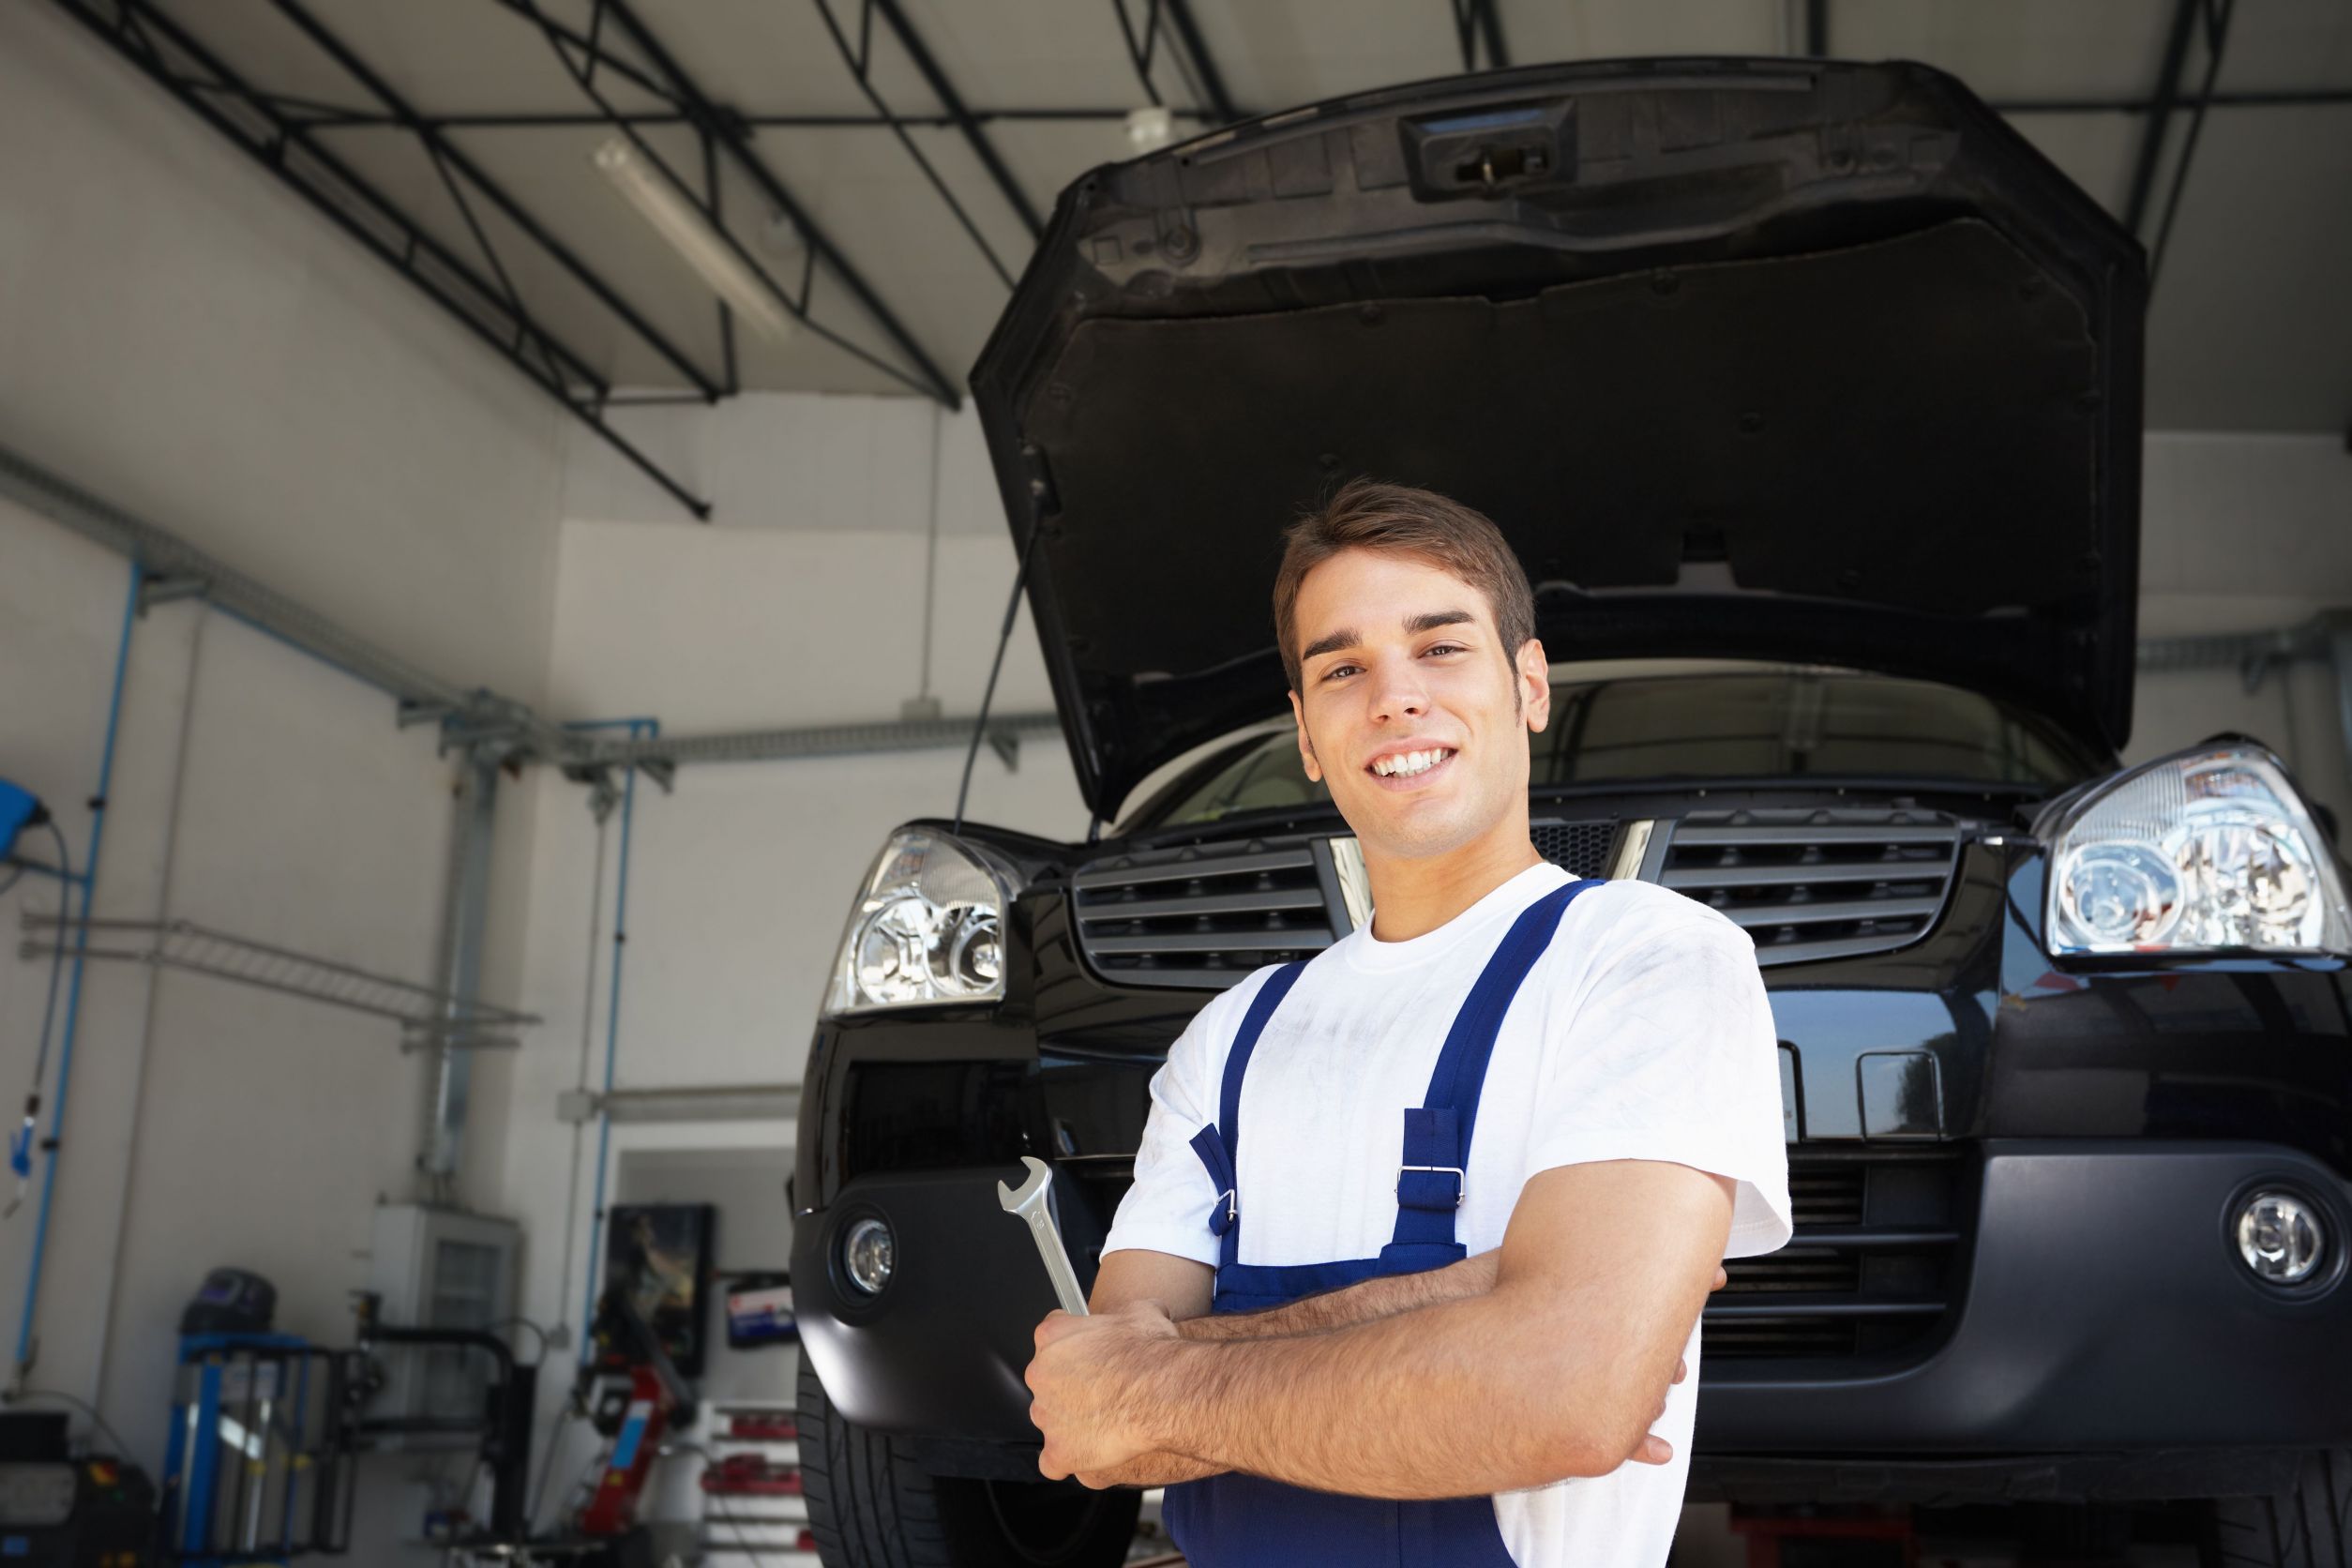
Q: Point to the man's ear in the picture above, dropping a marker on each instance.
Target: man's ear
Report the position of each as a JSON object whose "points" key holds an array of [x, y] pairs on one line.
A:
{"points": [[1534, 675], [1306, 746]]}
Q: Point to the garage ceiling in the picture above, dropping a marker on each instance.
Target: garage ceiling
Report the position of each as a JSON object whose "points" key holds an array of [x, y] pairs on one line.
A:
{"points": [[456, 137]]}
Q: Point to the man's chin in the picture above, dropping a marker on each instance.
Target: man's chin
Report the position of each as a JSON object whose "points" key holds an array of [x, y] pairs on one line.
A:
{"points": [[1408, 836]]}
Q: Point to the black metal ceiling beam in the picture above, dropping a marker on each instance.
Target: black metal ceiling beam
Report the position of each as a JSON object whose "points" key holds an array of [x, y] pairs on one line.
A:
{"points": [[454, 156], [1477, 21], [2298, 97], [730, 135], [584, 73], [354, 120], [2143, 186], [2217, 19], [287, 150], [1140, 49], [712, 194], [859, 59], [953, 102], [1212, 80], [1490, 28]]}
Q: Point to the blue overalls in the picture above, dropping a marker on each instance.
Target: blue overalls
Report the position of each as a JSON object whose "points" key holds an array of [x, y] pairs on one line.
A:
{"points": [[1241, 1521]]}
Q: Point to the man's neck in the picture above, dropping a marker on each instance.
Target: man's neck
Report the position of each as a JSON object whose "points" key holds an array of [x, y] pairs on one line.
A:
{"points": [[1411, 898]]}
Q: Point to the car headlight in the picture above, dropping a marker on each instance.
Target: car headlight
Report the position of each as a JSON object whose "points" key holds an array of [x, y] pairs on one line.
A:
{"points": [[2207, 849], [928, 928]]}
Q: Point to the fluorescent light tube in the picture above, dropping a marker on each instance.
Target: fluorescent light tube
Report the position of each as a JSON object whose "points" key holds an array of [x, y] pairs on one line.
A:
{"points": [[692, 235]]}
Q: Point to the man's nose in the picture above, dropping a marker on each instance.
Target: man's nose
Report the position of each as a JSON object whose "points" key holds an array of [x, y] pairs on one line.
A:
{"points": [[1398, 692]]}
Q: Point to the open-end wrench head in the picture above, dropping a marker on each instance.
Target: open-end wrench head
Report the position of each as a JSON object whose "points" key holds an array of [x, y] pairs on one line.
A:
{"points": [[1017, 1201]]}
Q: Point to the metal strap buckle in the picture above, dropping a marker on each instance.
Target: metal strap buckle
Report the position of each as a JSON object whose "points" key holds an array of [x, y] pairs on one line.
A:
{"points": [[1232, 1200], [1461, 1180]]}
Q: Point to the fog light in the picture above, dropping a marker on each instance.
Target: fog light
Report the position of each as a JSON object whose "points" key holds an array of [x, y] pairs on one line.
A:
{"points": [[2279, 1236], [868, 1256]]}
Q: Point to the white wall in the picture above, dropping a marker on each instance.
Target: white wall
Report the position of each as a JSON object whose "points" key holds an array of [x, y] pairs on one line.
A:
{"points": [[184, 338], [739, 881], [2246, 532]]}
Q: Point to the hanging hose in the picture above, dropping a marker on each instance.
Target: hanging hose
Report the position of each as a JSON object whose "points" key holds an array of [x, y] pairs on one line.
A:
{"points": [[20, 1141]]}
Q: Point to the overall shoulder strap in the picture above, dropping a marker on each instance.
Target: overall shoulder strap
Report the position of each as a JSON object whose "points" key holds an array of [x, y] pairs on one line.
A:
{"points": [[1430, 1184], [1218, 1145]]}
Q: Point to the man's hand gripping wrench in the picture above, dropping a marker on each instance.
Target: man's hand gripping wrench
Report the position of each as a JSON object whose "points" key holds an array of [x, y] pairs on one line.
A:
{"points": [[1029, 1204]]}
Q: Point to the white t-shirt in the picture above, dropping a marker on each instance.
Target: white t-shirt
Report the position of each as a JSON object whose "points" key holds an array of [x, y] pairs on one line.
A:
{"points": [[1642, 1032]]}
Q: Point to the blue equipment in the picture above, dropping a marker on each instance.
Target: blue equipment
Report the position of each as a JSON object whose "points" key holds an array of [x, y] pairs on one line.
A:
{"points": [[19, 808]]}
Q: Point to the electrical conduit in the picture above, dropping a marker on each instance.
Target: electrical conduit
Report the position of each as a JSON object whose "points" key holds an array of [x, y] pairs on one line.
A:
{"points": [[88, 883], [611, 1047]]}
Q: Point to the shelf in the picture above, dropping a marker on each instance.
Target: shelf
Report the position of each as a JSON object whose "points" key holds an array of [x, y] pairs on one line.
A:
{"points": [[426, 1016]]}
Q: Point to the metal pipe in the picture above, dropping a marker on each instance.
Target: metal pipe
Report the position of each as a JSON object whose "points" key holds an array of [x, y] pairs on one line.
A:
{"points": [[611, 1052], [717, 1101], [587, 1040], [825, 740], [458, 963], [107, 1300], [24, 1337]]}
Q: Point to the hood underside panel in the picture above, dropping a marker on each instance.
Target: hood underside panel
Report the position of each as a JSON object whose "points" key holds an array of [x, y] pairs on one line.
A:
{"points": [[1900, 452]]}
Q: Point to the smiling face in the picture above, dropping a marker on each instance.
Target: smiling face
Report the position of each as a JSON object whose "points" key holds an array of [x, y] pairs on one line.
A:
{"points": [[1410, 708]]}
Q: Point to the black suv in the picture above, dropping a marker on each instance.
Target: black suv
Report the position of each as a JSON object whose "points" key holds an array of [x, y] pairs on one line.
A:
{"points": [[1809, 394]]}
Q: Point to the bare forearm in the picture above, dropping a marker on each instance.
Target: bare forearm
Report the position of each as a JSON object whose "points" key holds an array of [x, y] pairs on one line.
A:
{"points": [[1453, 1400], [1362, 1303], [1365, 1302]]}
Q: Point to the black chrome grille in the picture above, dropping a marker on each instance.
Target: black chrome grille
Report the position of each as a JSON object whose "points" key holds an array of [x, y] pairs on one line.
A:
{"points": [[1875, 1267], [1810, 884], [1204, 917], [1579, 849]]}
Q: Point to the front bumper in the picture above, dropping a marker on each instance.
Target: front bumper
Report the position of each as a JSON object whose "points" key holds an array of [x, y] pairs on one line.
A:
{"points": [[940, 1353], [2103, 1311]]}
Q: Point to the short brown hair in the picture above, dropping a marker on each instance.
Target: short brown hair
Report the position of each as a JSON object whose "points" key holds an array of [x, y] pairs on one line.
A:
{"points": [[1367, 514]]}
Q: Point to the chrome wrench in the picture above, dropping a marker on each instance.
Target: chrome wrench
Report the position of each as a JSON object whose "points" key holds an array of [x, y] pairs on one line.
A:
{"points": [[1029, 1204]]}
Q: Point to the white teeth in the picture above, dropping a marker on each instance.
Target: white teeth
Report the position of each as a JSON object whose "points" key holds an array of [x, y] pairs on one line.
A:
{"points": [[1409, 762]]}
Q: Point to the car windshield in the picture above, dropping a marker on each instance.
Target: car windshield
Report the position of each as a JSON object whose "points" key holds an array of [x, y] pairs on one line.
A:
{"points": [[1649, 724]]}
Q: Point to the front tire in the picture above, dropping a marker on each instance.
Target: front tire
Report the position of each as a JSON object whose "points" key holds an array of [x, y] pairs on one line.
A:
{"points": [[870, 1506], [2309, 1526]]}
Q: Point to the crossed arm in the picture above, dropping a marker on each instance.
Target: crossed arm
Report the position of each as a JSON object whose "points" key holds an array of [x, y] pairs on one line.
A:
{"points": [[1543, 1360]]}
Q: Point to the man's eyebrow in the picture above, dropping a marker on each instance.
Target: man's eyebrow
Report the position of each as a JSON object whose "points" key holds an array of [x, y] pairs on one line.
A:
{"points": [[1348, 636]]}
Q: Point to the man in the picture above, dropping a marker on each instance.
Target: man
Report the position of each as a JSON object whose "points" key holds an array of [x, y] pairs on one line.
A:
{"points": [[1421, 1229]]}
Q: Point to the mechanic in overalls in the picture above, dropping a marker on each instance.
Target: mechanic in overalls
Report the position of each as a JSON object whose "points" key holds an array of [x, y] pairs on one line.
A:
{"points": [[1411, 1271]]}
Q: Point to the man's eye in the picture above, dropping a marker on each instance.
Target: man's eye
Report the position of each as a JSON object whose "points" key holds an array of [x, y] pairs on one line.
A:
{"points": [[1444, 648], [1335, 670]]}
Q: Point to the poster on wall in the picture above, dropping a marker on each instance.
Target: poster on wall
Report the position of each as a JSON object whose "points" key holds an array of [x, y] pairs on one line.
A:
{"points": [[660, 1254], [760, 1310]]}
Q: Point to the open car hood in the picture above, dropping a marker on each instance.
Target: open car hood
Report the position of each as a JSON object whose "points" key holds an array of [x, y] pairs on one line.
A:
{"points": [[1766, 358]]}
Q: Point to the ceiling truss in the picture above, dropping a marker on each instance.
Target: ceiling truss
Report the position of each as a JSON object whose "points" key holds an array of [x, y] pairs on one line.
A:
{"points": [[282, 135], [616, 49]]}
